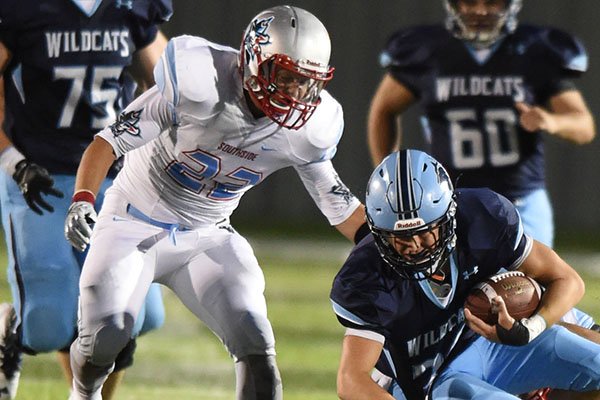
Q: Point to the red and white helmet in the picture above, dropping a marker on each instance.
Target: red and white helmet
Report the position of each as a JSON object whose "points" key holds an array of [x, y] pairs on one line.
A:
{"points": [[284, 61]]}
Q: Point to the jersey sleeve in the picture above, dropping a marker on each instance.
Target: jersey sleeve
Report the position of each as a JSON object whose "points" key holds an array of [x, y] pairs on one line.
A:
{"points": [[330, 194], [490, 227], [149, 14], [559, 58], [11, 18], [142, 121], [355, 292]]}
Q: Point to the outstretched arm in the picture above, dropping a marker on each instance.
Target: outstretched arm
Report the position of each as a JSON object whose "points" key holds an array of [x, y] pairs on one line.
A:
{"points": [[390, 100], [568, 118]]}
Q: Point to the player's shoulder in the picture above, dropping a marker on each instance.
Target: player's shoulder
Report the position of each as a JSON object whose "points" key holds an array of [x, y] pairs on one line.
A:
{"points": [[554, 45], [356, 286], [190, 66], [15, 13], [317, 140], [362, 268], [153, 11], [413, 45], [482, 214], [477, 202]]}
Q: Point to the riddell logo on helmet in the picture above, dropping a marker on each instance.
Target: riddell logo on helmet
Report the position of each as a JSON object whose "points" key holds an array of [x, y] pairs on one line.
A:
{"points": [[408, 224]]}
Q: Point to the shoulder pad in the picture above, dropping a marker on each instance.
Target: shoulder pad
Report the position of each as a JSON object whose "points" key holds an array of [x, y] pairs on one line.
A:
{"points": [[186, 70], [563, 49], [318, 139], [12, 17], [412, 46], [153, 11]]}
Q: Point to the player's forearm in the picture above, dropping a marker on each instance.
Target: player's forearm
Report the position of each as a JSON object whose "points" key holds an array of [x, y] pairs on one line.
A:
{"points": [[561, 295], [576, 127], [353, 386], [94, 166], [350, 226]]}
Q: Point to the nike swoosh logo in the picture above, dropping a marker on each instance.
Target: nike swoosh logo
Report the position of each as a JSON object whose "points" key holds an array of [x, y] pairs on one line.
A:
{"points": [[119, 219], [265, 148]]}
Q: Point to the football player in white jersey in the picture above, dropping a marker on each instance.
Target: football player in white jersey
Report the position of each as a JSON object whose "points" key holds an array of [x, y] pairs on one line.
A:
{"points": [[217, 123]]}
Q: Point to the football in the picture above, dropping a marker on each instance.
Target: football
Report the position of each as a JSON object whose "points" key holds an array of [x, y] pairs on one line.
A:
{"points": [[521, 295]]}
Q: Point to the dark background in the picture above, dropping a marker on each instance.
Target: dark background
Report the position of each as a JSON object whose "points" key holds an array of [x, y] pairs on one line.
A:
{"points": [[358, 30]]}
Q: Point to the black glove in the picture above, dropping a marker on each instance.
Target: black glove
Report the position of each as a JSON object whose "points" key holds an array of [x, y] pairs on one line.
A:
{"points": [[34, 180]]}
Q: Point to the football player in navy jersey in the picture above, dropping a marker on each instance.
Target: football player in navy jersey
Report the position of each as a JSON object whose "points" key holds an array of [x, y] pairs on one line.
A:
{"points": [[400, 295], [68, 68], [490, 90]]}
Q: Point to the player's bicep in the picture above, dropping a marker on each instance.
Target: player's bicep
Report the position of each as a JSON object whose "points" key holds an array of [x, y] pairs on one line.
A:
{"points": [[143, 120], [145, 60], [359, 354], [391, 97], [544, 265]]}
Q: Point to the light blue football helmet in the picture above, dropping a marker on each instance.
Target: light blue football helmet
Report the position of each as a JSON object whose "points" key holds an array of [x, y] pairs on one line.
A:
{"points": [[410, 193]]}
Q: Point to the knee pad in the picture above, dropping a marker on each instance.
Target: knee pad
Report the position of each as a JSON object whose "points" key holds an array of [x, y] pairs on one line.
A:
{"points": [[258, 378], [101, 344], [125, 357]]}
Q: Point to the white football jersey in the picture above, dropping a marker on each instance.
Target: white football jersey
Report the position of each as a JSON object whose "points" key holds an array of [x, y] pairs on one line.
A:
{"points": [[192, 147]]}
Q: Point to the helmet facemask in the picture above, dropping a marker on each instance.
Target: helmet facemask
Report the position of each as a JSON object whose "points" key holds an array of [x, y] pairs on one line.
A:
{"points": [[425, 263], [411, 211], [482, 31], [286, 92], [284, 61]]}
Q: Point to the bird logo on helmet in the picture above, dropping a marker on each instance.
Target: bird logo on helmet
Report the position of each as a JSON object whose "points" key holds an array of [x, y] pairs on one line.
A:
{"points": [[410, 194], [284, 63]]}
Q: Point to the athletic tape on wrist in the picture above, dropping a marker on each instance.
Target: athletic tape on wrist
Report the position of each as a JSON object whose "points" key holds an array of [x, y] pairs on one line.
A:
{"points": [[9, 159], [84, 195], [535, 325]]}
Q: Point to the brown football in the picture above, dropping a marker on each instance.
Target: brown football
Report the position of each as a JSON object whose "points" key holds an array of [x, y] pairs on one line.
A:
{"points": [[521, 295]]}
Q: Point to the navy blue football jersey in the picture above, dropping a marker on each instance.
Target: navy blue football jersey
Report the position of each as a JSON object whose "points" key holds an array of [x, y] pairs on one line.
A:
{"points": [[469, 114], [420, 329], [67, 78]]}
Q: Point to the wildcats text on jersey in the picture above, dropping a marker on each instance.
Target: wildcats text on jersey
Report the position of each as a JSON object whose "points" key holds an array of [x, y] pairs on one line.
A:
{"points": [[423, 341], [479, 85], [85, 41]]}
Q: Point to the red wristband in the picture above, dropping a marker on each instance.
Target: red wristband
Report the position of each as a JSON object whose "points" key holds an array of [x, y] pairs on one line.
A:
{"points": [[84, 195]]}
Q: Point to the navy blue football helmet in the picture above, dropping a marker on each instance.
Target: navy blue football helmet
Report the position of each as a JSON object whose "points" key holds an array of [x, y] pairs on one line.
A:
{"points": [[500, 24], [410, 193]]}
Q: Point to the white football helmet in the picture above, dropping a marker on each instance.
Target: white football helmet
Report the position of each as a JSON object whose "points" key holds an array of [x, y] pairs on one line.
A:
{"points": [[482, 36], [284, 61]]}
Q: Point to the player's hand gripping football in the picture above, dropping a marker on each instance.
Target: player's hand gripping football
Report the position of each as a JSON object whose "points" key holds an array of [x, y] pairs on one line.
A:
{"points": [[33, 180], [78, 225], [507, 330]]}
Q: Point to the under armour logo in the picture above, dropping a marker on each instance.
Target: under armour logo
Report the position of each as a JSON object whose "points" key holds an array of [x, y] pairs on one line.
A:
{"points": [[128, 4]]}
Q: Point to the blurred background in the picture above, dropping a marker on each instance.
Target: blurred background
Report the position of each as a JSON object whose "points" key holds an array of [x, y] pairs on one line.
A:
{"points": [[358, 30]]}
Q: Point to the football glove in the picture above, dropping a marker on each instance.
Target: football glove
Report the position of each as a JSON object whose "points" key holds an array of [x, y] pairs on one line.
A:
{"points": [[78, 225], [34, 180]]}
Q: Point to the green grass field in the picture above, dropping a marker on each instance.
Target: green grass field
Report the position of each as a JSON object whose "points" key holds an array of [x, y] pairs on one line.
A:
{"points": [[185, 361]]}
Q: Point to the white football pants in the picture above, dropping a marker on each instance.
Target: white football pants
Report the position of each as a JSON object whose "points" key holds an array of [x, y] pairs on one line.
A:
{"points": [[212, 270]]}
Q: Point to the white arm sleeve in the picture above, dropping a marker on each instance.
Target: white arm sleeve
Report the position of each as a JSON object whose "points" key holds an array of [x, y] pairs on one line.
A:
{"points": [[328, 191], [142, 121]]}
